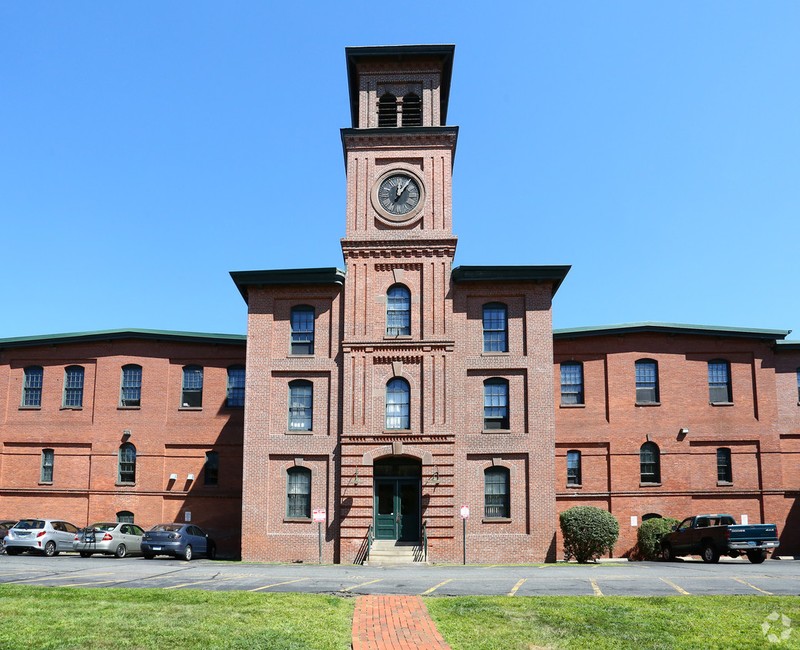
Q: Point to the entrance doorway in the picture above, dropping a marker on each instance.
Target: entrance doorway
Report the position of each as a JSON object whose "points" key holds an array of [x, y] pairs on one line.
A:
{"points": [[398, 486]]}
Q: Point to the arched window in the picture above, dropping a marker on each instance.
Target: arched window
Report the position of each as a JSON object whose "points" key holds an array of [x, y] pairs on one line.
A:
{"points": [[651, 515], [649, 463], [73, 387], [125, 517], [301, 405], [387, 110], [398, 311], [192, 393], [573, 467], [234, 397], [572, 382], [302, 321], [127, 463], [495, 404], [724, 467], [130, 393], [496, 501], [32, 387], [398, 403], [495, 327], [412, 110], [719, 382], [646, 381], [211, 468], [298, 493]]}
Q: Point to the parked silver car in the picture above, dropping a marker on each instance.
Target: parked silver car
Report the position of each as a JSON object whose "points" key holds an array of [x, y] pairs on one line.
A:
{"points": [[109, 538], [47, 536]]}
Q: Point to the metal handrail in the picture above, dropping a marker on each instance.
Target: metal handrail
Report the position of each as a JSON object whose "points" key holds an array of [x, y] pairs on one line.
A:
{"points": [[369, 543], [424, 534]]}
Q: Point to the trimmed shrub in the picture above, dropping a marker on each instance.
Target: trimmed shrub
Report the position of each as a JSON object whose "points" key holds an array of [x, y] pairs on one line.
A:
{"points": [[648, 537], [588, 532]]}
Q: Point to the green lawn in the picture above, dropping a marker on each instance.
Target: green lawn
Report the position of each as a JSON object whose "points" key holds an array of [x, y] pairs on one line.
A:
{"points": [[614, 622], [117, 619], [53, 617]]}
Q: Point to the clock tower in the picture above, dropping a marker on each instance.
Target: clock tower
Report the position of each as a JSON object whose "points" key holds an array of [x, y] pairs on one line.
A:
{"points": [[397, 438]]}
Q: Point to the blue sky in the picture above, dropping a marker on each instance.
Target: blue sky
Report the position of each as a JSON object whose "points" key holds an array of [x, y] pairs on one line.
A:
{"points": [[149, 148]]}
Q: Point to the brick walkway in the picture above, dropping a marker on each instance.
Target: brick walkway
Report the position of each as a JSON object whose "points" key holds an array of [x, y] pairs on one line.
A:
{"points": [[394, 623]]}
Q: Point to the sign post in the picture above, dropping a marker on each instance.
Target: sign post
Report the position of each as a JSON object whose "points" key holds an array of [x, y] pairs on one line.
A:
{"points": [[464, 517], [319, 517]]}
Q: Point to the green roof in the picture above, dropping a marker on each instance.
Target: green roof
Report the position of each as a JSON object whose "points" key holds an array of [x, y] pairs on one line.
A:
{"points": [[287, 277], [505, 274], [670, 328], [116, 335]]}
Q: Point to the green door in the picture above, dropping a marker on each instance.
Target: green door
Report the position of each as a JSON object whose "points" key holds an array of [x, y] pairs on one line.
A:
{"points": [[397, 506]]}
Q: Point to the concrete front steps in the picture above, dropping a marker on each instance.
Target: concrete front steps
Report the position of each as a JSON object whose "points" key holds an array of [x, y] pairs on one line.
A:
{"points": [[388, 551]]}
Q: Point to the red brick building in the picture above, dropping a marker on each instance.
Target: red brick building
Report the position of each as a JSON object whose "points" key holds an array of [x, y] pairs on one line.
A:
{"points": [[386, 396]]}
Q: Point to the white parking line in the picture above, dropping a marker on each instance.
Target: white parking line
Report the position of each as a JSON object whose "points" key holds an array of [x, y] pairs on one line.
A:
{"points": [[434, 588], [363, 584], [680, 590], [747, 584], [277, 584]]}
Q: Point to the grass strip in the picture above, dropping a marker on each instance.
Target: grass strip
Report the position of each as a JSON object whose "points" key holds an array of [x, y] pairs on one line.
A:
{"points": [[614, 622], [65, 618]]}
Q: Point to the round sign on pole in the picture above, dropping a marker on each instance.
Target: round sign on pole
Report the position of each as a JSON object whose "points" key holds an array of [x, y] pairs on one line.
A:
{"points": [[465, 512]]}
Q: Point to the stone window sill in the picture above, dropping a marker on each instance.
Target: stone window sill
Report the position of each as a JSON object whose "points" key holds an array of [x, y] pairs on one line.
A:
{"points": [[118, 484], [506, 431], [721, 403], [648, 404], [46, 483], [574, 486], [190, 408], [30, 408], [649, 484], [572, 406], [129, 408], [71, 408], [399, 337], [497, 353], [299, 432], [496, 520], [724, 483], [396, 431], [297, 520]]}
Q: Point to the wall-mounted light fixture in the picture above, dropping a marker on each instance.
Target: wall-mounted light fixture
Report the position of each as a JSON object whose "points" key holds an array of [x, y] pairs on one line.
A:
{"points": [[173, 477], [683, 431], [190, 477], [355, 478], [126, 433]]}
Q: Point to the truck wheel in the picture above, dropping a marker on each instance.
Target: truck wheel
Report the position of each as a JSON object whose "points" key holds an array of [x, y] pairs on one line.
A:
{"points": [[756, 557], [667, 554], [710, 554]]}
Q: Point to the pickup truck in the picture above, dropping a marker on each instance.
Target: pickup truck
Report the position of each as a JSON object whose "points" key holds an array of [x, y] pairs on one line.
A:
{"points": [[710, 536]]}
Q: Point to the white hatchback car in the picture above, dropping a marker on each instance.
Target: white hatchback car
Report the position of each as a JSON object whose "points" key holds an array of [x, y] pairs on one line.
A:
{"points": [[46, 536]]}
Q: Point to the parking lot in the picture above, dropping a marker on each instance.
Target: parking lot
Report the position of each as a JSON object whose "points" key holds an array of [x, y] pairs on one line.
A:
{"points": [[681, 578]]}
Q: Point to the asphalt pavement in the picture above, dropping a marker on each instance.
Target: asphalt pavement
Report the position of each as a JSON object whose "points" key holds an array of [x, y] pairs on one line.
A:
{"points": [[611, 578]]}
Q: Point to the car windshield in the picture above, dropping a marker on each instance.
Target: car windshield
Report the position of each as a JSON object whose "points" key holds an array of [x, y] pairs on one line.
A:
{"points": [[104, 526], [166, 527], [30, 524]]}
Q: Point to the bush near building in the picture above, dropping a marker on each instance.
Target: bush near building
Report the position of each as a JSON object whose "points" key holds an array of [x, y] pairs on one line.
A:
{"points": [[648, 537], [588, 532]]}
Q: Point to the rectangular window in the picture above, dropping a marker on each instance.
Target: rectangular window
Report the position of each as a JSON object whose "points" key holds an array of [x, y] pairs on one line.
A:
{"points": [[302, 321], [724, 468], [495, 328], [301, 405], [573, 468], [192, 393], [73, 387], [48, 459], [32, 387], [719, 382], [495, 404], [571, 383], [646, 382], [235, 396], [131, 391]]}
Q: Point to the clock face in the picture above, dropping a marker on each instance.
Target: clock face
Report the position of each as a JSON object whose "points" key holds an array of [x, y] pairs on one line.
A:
{"points": [[398, 194]]}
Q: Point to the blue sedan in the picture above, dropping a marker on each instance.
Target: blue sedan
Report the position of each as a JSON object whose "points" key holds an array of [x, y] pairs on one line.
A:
{"points": [[178, 540]]}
